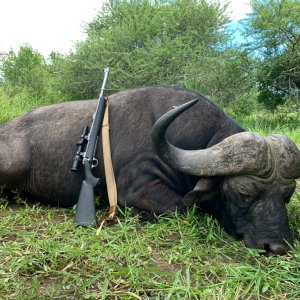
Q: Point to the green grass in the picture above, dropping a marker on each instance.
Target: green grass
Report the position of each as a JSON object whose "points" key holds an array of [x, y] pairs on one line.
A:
{"points": [[43, 255], [11, 107]]}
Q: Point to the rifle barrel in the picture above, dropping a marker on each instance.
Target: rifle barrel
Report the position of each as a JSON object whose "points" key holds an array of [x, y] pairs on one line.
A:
{"points": [[97, 121]]}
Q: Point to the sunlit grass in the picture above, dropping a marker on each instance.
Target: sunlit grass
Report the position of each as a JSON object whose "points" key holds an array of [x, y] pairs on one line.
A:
{"points": [[43, 255]]}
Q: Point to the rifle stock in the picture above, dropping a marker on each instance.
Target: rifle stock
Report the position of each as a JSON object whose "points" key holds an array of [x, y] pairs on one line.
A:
{"points": [[85, 209]]}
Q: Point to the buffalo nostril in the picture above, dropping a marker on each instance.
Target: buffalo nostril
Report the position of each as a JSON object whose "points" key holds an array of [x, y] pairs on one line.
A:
{"points": [[277, 248]]}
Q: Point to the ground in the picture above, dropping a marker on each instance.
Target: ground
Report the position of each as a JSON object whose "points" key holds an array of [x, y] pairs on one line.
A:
{"points": [[43, 255]]}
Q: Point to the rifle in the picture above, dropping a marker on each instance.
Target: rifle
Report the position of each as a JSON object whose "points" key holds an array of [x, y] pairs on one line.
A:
{"points": [[85, 209]]}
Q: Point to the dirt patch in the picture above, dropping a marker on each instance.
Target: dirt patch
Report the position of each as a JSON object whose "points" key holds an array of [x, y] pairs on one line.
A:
{"points": [[11, 208], [160, 262]]}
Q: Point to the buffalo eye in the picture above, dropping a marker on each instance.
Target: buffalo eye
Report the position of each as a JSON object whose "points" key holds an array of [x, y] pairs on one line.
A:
{"points": [[245, 202], [248, 191], [247, 195]]}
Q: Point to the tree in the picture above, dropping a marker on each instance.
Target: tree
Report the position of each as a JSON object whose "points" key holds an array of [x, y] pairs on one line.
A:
{"points": [[177, 42], [274, 29], [24, 70]]}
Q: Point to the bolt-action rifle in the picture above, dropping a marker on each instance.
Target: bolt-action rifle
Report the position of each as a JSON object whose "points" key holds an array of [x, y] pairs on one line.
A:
{"points": [[85, 155]]}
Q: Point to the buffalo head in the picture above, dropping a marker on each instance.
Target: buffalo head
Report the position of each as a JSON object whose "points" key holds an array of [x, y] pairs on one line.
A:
{"points": [[255, 179]]}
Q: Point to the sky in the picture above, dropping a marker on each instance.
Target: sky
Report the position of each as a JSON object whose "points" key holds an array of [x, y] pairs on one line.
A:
{"points": [[56, 25]]}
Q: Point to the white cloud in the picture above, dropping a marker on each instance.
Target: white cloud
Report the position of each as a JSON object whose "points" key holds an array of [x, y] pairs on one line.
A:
{"points": [[56, 25], [238, 9], [53, 25]]}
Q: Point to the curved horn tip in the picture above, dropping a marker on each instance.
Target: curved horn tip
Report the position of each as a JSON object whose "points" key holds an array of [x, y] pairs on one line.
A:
{"points": [[165, 120], [189, 103]]}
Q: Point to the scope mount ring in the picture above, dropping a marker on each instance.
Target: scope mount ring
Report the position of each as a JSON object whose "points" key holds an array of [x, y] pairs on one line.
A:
{"points": [[94, 162]]}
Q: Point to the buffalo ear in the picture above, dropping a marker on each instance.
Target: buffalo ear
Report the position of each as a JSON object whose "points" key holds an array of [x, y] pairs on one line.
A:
{"points": [[204, 190]]}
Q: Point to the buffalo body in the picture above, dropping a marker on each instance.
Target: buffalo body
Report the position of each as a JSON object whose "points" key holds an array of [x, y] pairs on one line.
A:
{"points": [[206, 158]]}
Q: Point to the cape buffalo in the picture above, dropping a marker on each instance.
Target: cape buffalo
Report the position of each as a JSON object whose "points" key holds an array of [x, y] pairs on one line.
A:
{"points": [[240, 178]]}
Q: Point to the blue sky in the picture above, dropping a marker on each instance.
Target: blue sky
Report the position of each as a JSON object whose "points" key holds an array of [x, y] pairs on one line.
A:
{"points": [[236, 27]]}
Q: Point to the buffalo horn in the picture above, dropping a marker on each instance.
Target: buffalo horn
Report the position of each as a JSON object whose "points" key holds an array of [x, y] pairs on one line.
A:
{"points": [[242, 153], [287, 155]]}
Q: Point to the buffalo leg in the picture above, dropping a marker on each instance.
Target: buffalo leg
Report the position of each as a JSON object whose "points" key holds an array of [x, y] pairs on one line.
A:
{"points": [[151, 199], [14, 160]]}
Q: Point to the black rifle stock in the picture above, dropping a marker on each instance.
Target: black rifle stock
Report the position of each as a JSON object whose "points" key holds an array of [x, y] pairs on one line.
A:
{"points": [[85, 210]]}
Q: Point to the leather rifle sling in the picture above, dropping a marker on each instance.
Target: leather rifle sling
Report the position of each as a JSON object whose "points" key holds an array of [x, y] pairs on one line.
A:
{"points": [[108, 167]]}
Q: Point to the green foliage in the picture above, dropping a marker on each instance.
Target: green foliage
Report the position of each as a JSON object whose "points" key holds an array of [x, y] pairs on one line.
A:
{"points": [[175, 43], [24, 70], [225, 76], [27, 81], [285, 120], [184, 43], [274, 29], [11, 107]]}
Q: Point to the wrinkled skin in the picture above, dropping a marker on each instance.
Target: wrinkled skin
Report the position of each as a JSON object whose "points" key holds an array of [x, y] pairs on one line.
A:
{"points": [[37, 151], [249, 209], [256, 212]]}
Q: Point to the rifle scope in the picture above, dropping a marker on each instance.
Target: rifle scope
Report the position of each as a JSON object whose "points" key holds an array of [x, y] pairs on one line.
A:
{"points": [[77, 162]]}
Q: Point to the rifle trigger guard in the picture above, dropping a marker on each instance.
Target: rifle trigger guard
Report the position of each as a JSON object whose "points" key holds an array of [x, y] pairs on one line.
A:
{"points": [[94, 162]]}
